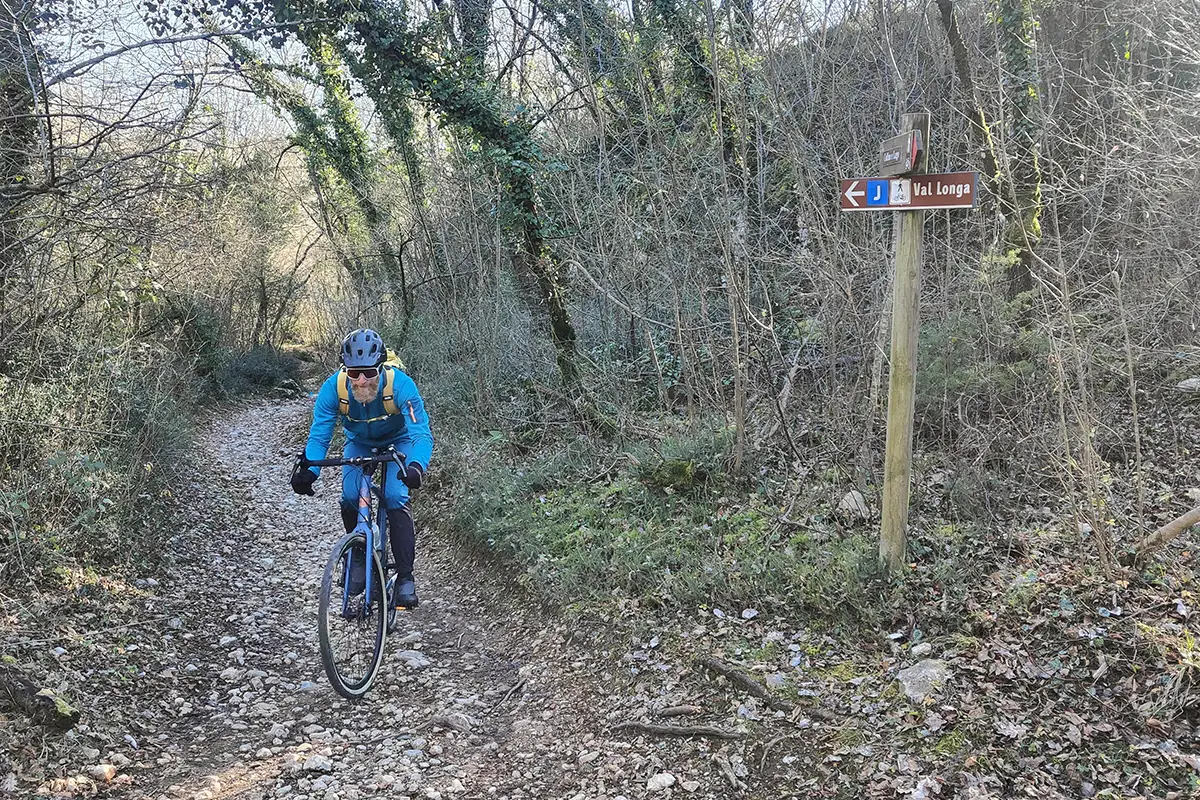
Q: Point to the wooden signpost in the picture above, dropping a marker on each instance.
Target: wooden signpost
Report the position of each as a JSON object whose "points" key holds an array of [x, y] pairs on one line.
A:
{"points": [[903, 186]]}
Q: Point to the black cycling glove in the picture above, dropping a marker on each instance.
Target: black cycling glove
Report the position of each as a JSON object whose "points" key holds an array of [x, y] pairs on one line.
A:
{"points": [[302, 481], [412, 475]]}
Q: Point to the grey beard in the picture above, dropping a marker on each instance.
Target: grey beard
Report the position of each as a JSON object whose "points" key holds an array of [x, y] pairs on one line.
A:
{"points": [[366, 395]]}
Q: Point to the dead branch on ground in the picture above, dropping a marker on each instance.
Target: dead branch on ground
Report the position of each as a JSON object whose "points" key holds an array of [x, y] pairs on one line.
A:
{"points": [[43, 706], [677, 730], [1163, 536]]}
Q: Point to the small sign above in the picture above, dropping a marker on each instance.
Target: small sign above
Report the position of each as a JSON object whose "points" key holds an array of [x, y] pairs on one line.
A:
{"points": [[946, 190], [898, 155]]}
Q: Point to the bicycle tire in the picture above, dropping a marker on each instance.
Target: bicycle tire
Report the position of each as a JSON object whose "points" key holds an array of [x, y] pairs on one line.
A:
{"points": [[371, 614]]}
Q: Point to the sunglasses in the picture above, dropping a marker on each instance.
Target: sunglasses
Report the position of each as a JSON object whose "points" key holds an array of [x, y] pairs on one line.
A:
{"points": [[368, 372]]}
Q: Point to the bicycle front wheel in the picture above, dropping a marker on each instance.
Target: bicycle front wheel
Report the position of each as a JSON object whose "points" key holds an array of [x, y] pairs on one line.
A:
{"points": [[351, 625]]}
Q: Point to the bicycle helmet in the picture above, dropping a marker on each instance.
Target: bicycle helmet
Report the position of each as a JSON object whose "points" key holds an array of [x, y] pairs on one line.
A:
{"points": [[363, 348]]}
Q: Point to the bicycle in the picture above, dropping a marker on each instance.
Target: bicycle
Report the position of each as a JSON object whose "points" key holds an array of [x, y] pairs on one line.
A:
{"points": [[364, 612]]}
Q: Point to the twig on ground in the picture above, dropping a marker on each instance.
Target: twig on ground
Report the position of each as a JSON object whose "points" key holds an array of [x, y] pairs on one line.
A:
{"points": [[678, 711], [677, 730], [725, 767], [516, 687], [815, 713], [410, 733], [745, 683], [762, 762]]}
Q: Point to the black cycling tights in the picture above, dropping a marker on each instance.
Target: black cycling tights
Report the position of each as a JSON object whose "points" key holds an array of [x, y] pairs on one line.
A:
{"points": [[404, 541]]}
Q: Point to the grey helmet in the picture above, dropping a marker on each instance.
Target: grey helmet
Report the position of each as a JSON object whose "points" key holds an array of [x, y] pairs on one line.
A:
{"points": [[363, 348]]}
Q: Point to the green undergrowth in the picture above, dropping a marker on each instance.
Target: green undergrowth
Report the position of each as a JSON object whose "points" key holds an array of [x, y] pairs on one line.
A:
{"points": [[92, 451], [96, 443], [257, 371], [663, 524]]}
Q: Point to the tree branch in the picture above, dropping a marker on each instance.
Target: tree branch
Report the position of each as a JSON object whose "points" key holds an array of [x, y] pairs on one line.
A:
{"points": [[1166, 534], [84, 66], [677, 730]]}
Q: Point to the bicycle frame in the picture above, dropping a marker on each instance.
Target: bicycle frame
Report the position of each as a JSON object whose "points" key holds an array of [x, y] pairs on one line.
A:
{"points": [[375, 534], [375, 543]]}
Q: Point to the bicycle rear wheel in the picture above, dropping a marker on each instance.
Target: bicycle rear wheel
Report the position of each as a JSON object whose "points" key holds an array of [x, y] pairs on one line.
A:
{"points": [[351, 628]]}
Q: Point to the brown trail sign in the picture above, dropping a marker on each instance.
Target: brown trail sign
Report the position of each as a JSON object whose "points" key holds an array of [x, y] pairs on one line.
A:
{"points": [[945, 190], [898, 155]]}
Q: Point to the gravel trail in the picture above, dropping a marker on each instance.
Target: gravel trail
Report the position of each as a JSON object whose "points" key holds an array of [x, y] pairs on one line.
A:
{"points": [[478, 697]]}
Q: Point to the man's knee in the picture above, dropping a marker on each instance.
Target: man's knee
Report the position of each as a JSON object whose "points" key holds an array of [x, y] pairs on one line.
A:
{"points": [[396, 498]]}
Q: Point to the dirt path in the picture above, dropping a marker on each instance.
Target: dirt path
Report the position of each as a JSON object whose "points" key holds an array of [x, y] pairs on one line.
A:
{"points": [[477, 698], [205, 683]]}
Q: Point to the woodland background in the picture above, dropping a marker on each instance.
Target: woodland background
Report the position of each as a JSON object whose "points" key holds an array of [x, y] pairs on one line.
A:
{"points": [[605, 240]]}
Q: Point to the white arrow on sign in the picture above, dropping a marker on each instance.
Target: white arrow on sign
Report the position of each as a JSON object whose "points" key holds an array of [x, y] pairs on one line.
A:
{"points": [[850, 194]]}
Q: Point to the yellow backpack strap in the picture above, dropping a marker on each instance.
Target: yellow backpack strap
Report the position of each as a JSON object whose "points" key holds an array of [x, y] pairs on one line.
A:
{"points": [[389, 392], [343, 389]]}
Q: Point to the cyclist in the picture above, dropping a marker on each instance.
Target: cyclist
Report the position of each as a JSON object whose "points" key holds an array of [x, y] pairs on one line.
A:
{"points": [[367, 423]]}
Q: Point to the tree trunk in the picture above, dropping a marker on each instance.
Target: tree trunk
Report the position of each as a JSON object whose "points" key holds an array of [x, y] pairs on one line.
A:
{"points": [[392, 63], [473, 31], [263, 307], [962, 66], [534, 259], [18, 133], [391, 67], [334, 222], [741, 20], [583, 25], [399, 123], [1164, 535], [348, 152], [1020, 79], [733, 246]]}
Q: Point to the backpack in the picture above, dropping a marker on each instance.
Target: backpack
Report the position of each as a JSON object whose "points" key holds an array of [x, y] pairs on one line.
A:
{"points": [[388, 395]]}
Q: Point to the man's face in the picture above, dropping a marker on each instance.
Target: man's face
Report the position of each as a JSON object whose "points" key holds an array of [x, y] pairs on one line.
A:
{"points": [[364, 384]]}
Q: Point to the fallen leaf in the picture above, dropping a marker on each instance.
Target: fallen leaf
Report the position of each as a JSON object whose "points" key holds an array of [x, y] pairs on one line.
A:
{"points": [[1011, 729]]}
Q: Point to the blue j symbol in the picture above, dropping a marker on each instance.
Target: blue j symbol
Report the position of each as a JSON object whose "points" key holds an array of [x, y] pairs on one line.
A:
{"points": [[877, 193]]}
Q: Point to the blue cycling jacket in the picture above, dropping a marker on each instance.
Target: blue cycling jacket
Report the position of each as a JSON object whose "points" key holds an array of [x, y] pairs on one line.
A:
{"points": [[407, 430]]}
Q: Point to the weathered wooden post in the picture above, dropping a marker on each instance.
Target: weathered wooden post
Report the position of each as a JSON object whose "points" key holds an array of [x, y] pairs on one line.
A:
{"points": [[902, 377]]}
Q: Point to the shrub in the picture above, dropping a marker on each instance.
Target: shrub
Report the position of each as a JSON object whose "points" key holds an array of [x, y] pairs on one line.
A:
{"points": [[657, 532], [262, 368], [690, 462], [962, 378], [94, 450]]}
